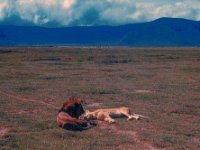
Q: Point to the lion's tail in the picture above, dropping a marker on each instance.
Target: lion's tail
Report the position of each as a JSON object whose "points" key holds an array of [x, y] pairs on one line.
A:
{"points": [[141, 116]]}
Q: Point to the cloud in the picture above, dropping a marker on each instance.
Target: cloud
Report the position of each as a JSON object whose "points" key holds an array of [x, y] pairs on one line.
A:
{"points": [[3, 8], [94, 12]]}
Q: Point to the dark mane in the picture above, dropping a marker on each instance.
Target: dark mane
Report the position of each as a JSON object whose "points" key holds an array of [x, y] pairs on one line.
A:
{"points": [[73, 107]]}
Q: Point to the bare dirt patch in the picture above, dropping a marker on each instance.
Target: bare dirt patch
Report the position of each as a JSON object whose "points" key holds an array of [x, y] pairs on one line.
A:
{"points": [[28, 112], [143, 91], [3, 132], [95, 105], [137, 91]]}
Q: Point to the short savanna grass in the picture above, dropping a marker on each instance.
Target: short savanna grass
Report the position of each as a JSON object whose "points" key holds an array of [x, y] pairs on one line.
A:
{"points": [[107, 77]]}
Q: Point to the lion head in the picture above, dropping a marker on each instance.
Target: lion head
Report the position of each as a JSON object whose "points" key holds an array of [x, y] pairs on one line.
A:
{"points": [[73, 107]]}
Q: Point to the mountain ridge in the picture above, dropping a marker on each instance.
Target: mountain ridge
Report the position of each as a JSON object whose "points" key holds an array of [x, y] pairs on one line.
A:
{"points": [[160, 32]]}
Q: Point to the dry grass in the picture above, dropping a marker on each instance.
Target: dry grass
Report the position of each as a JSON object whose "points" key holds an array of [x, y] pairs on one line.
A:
{"points": [[161, 83]]}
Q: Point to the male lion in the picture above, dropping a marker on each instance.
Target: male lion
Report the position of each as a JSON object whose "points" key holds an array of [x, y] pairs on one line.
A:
{"points": [[68, 116], [107, 114]]}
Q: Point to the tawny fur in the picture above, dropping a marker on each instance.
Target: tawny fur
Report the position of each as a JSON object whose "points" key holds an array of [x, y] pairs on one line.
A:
{"points": [[107, 114]]}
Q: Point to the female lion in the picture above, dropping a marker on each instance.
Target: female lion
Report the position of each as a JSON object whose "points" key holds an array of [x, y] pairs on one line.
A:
{"points": [[107, 114]]}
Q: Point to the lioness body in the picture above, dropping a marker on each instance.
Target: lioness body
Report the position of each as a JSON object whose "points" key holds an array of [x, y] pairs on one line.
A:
{"points": [[107, 114]]}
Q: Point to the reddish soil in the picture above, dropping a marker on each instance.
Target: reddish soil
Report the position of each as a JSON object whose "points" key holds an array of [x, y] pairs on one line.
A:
{"points": [[27, 112], [3, 132]]}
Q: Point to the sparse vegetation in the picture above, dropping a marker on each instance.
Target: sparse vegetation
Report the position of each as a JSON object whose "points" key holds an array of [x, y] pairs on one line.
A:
{"points": [[161, 83]]}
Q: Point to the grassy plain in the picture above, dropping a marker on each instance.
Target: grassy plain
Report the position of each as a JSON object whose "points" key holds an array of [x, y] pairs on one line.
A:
{"points": [[161, 83]]}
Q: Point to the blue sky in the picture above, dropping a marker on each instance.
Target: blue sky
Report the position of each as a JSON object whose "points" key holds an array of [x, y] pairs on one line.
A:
{"points": [[94, 12]]}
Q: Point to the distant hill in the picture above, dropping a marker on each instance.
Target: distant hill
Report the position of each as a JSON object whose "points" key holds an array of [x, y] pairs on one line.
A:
{"points": [[161, 32]]}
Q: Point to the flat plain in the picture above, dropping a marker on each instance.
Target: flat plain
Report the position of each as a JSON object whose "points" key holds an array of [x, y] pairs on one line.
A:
{"points": [[161, 83]]}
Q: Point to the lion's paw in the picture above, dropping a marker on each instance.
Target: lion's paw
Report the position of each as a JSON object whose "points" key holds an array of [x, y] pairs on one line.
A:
{"points": [[111, 121], [130, 118]]}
